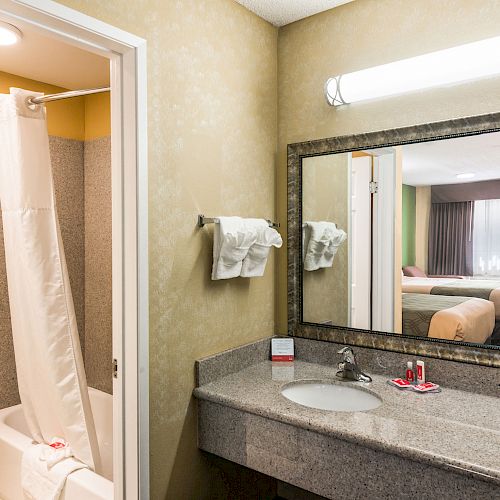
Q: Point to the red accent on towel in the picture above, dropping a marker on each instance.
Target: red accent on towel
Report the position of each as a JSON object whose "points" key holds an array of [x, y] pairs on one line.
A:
{"points": [[57, 445]]}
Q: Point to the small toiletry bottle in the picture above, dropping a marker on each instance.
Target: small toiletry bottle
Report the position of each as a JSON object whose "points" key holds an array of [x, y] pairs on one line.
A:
{"points": [[409, 372], [420, 372]]}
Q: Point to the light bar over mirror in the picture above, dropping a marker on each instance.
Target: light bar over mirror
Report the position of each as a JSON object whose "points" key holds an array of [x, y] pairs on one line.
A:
{"points": [[444, 67]]}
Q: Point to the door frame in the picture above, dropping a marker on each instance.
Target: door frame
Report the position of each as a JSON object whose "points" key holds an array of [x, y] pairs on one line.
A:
{"points": [[355, 188], [127, 54]]}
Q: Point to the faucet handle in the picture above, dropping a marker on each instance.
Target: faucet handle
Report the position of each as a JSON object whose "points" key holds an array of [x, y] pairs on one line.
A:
{"points": [[348, 354]]}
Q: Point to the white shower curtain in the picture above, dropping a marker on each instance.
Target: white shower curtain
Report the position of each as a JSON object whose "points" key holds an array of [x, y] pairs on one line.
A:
{"points": [[49, 363]]}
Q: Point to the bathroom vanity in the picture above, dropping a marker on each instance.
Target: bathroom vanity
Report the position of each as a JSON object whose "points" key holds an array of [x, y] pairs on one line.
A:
{"points": [[352, 282], [443, 445]]}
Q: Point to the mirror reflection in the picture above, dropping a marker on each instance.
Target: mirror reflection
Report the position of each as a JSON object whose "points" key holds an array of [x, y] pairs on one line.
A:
{"points": [[405, 239]]}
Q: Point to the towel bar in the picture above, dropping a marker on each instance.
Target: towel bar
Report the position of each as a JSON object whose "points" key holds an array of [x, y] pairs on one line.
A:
{"points": [[202, 220]]}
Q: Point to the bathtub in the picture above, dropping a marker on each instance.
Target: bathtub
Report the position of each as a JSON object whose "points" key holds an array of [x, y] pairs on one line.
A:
{"points": [[80, 485]]}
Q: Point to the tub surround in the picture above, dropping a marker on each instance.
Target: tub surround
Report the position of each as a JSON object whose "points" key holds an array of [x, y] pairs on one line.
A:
{"points": [[66, 156], [443, 445], [98, 262]]}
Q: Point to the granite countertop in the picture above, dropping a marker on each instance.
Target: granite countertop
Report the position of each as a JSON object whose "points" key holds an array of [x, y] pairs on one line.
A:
{"points": [[452, 429]]}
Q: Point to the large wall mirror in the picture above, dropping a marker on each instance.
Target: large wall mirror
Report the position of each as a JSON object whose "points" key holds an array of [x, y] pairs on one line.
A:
{"points": [[399, 232]]}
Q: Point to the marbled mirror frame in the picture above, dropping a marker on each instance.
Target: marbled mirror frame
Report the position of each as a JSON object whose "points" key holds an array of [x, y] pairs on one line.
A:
{"points": [[436, 348]]}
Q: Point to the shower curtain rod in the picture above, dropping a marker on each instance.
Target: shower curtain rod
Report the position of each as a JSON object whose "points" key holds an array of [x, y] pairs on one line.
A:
{"points": [[65, 95]]}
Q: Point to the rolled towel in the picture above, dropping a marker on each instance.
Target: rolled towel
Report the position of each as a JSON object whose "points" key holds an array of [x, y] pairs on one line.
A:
{"points": [[45, 468], [324, 241], [232, 240], [254, 263]]}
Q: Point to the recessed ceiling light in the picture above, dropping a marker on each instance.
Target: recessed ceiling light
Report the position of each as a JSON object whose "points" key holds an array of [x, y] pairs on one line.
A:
{"points": [[467, 175], [9, 35]]}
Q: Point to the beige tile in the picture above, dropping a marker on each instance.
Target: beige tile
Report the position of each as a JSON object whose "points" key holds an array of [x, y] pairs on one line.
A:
{"points": [[98, 298], [67, 168], [9, 394]]}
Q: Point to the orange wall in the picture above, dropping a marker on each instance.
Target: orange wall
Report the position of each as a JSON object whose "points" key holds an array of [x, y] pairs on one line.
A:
{"points": [[97, 116], [64, 118], [81, 118]]}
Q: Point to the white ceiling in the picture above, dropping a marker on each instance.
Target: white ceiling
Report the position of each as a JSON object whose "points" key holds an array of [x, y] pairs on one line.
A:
{"points": [[49, 60], [438, 162], [281, 12]]}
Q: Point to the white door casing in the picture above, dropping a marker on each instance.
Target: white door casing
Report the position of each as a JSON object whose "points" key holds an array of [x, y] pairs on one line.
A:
{"points": [[360, 241], [127, 54]]}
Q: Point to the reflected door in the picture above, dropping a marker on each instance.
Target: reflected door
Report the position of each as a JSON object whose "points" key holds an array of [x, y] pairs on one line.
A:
{"points": [[384, 261], [360, 242]]}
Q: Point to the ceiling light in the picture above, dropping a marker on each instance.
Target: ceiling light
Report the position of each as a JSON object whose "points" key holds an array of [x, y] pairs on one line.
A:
{"points": [[9, 35], [467, 175], [444, 67]]}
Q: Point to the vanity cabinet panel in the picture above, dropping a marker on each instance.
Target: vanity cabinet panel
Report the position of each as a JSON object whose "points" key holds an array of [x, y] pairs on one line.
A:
{"points": [[328, 466]]}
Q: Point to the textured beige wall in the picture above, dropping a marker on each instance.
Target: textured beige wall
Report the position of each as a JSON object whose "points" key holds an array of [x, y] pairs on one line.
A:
{"points": [[359, 35], [212, 92], [325, 198], [423, 210]]}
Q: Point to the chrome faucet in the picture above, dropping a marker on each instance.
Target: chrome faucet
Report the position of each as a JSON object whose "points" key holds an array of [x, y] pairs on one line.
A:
{"points": [[349, 369]]}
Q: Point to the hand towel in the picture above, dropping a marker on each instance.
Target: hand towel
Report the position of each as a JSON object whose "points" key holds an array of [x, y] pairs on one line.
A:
{"points": [[232, 240], [323, 244], [254, 264], [306, 236], [44, 470]]}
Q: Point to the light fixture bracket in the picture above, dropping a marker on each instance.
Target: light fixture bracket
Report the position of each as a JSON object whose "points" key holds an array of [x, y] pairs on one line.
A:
{"points": [[335, 99]]}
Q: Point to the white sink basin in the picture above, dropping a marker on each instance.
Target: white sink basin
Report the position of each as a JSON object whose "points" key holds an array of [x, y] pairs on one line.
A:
{"points": [[331, 396]]}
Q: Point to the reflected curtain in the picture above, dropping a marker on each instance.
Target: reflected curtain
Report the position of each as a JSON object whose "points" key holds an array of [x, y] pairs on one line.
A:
{"points": [[49, 362], [450, 238], [487, 238]]}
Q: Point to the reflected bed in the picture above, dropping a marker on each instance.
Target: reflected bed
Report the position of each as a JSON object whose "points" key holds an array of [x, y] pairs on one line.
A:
{"points": [[481, 289], [463, 319]]}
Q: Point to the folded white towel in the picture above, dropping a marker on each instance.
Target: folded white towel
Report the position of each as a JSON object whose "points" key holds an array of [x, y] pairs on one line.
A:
{"points": [[254, 263], [232, 240], [306, 236], [324, 241], [44, 469]]}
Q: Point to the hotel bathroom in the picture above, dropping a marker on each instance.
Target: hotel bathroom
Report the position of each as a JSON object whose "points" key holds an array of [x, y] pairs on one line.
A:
{"points": [[249, 249]]}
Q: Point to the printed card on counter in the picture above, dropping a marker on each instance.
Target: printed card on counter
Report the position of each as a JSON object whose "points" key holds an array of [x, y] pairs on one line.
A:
{"points": [[282, 349]]}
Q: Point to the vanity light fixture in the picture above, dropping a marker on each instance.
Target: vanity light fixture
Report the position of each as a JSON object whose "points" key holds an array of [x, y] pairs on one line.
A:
{"points": [[466, 175], [9, 34], [444, 67]]}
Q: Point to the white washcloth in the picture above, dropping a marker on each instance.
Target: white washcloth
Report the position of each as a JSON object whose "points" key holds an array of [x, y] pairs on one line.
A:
{"points": [[45, 468], [254, 263], [323, 244], [232, 240]]}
